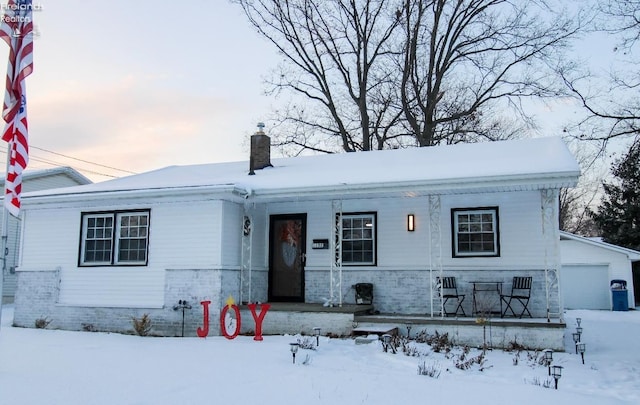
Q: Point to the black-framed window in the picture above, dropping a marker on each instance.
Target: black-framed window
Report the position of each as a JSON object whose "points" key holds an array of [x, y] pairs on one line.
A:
{"points": [[475, 232], [114, 238], [359, 239]]}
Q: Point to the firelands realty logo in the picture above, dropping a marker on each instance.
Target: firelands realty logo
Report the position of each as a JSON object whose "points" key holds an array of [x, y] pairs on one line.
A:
{"points": [[19, 12]]}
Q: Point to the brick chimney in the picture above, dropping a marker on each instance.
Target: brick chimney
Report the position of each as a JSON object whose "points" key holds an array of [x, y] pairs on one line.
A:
{"points": [[260, 150]]}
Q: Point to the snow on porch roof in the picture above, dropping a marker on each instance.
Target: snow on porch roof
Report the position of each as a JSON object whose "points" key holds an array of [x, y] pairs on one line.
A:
{"points": [[542, 160]]}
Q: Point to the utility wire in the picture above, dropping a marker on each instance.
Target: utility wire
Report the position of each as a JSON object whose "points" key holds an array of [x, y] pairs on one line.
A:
{"points": [[54, 163], [81, 160], [34, 158]]}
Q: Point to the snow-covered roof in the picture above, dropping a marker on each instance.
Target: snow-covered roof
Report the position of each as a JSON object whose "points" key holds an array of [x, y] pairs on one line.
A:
{"points": [[515, 165], [72, 173], [633, 255]]}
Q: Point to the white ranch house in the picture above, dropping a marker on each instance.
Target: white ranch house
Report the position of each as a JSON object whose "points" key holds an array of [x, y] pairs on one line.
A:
{"points": [[303, 231]]}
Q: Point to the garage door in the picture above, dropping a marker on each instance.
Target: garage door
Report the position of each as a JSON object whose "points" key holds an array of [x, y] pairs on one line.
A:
{"points": [[585, 287]]}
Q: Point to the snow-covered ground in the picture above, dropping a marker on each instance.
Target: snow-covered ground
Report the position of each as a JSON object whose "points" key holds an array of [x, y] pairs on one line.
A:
{"points": [[57, 367]]}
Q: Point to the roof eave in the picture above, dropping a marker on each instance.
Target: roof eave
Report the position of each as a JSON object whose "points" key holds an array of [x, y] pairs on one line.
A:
{"points": [[444, 186], [228, 189], [633, 255]]}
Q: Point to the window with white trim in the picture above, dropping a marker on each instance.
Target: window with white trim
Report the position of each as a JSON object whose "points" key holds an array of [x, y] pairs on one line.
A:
{"points": [[114, 238], [359, 239], [475, 232]]}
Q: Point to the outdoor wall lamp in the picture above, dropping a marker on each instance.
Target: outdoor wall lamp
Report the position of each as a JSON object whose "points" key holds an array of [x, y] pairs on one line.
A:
{"points": [[294, 350], [548, 358], [580, 347], [316, 331], [557, 373], [411, 222]]}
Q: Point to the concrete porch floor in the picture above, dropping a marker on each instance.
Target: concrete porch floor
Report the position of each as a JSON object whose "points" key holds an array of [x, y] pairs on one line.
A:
{"points": [[294, 318], [502, 333]]}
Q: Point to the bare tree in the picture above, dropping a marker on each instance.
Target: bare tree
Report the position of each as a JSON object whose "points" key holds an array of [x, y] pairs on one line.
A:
{"points": [[337, 66], [612, 108], [577, 202], [374, 74], [464, 58]]}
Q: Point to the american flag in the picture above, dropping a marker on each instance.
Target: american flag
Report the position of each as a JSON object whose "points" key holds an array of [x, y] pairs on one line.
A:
{"points": [[16, 29]]}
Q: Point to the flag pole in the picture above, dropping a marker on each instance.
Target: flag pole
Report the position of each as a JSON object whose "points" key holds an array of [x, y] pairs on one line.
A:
{"points": [[16, 29], [5, 231]]}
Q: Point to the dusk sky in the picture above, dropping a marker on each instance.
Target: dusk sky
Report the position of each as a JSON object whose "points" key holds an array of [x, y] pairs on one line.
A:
{"points": [[140, 85]]}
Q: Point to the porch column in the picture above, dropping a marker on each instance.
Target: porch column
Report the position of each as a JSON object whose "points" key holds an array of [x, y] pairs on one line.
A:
{"points": [[435, 253], [245, 268], [335, 274], [551, 238]]}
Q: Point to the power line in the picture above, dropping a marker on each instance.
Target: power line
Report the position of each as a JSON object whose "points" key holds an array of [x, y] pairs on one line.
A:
{"points": [[34, 158], [54, 163], [81, 160]]}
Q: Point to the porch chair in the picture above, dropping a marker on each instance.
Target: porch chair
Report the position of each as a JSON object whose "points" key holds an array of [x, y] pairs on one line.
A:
{"points": [[520, 292], [450, 292]]}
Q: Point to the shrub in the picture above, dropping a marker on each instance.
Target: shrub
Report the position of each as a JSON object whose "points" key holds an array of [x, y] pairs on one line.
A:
{"points": [[307, 343], [516, 358], [143, 325], [42, 323], [88, 327], [421, 337], [431, 370], [547, 383], [464, 363], [515, 346], [439, 343]]}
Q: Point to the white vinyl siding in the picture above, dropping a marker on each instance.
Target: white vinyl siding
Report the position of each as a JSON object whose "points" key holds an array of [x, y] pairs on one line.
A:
{"points": [[29, 184], [52, 244]]}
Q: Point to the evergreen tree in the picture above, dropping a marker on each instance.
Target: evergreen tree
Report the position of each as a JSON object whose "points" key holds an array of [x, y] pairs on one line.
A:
{"points": [[618, 216]]}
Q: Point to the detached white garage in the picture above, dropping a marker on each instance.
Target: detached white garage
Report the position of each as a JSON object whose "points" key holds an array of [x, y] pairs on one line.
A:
{"points": [[588, 266]]}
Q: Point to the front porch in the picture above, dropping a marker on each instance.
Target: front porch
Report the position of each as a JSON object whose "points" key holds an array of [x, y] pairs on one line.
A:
{"points": [[347, 320]]}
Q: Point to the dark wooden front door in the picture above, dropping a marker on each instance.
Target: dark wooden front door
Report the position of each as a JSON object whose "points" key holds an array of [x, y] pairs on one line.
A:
{"points": [[287, 241]]}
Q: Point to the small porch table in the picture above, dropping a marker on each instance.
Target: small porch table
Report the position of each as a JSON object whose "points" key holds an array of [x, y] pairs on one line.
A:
{"points": [[483, 293]]}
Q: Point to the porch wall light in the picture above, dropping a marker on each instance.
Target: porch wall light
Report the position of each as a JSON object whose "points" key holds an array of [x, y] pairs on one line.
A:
{"points": [[411, 222]]}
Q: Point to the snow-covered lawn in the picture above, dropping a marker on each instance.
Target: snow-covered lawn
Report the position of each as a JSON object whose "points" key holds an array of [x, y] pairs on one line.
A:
{"points": [[47, 367]]}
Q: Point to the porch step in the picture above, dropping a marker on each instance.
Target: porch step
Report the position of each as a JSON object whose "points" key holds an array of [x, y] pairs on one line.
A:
{"points": [[379, 329], [363, 340]]}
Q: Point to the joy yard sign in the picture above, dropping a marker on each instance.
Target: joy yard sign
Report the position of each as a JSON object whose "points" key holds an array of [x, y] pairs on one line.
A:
{"points": [[235, 322]]}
